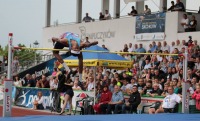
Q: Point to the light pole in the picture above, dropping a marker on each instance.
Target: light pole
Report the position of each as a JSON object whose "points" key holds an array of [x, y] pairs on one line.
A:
{"points": [[36, 44]]}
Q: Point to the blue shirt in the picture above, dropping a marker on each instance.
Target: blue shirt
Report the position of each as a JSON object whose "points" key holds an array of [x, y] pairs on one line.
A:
{"points": [[154, 48], [71, 36], [116, 97], [141, 50]]}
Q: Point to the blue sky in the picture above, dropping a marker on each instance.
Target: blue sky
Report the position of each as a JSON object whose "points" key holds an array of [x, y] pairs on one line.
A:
{"points": [[26, 18]]}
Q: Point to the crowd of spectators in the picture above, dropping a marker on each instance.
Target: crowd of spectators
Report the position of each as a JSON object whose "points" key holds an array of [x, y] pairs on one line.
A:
{"points": [[150, 75]]}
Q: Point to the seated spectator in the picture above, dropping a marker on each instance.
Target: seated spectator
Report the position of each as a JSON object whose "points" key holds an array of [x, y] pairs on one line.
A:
{"points": [[17, 82], [147, 64], [101, 16], [133, 101], [87, 18], [90, 83], [42, 83], [76, 86], [113, 82], [185, 22], [172, 6], [197, 64], [196, 96], [179, 6], [171, 63], [126, 86], [115, 103], [156, 91], [169, 102], [140, 85], [28, 81], [148, 88], [105, 98], [147, 10], [133, 12], [165, 90], [192, 25], [107, 15], [38, 103]]}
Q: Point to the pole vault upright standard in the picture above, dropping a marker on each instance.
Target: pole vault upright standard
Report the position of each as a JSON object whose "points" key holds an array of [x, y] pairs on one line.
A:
{"points": [[7, 97]]}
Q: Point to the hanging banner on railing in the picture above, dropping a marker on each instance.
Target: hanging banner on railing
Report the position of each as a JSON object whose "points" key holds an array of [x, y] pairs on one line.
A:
{"points": [[150, 27]]}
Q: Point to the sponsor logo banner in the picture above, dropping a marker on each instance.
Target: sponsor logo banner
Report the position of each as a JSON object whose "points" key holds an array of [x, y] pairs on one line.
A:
{"points": [[150, 36], [153, 23], [26, 96], [150, 23]]}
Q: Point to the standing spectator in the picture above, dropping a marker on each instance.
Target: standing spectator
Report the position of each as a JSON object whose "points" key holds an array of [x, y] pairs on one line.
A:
{"points": [[133, 101], [172, 47], [130, 49], [105, 98], [196, 96], [133, 12], [179, 6], [87, 18], [101, 16], [15, 65], [192, 24], [172, 6], [107, 15], [103, 46], [125, 48], [135, 47], [159, 46], [87, 40], [154, 46], [141, 49], [196, 46], [38, 103], [185, 22], [5, 61], [147, 10]]}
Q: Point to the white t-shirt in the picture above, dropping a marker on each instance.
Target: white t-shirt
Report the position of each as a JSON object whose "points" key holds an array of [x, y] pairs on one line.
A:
{"points": [[17, 83], [185, 21], [130, 49], [90, 86], [107, 16], [171, 100]]}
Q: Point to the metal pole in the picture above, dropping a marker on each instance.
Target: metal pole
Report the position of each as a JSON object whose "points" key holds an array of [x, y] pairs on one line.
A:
{"points": [[185, 85], [7, 100]]}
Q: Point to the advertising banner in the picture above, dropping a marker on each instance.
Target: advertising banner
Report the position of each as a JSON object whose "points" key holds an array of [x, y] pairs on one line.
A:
{"points": [[148, 25], [26, 96]]}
